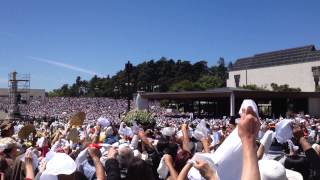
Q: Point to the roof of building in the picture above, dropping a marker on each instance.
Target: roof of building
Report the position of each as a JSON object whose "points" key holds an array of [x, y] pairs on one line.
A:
{"points": [[282, 57], [225, 93]]}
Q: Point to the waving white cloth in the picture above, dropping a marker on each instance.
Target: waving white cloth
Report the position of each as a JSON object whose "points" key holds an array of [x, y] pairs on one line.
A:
{"points": [[135, 128], [134, 142], [168, 131], [248, 102], [266, 140], [104, 122], [162, 170], [194, 174], [284, 130], [230, 151], [201, 130]]}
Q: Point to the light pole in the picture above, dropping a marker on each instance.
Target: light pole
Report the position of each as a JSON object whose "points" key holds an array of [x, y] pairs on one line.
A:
{"points": [[128, 71]]}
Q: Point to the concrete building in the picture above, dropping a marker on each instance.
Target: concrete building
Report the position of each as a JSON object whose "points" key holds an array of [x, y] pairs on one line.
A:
{"points": [[297, 67], [33, 94]]}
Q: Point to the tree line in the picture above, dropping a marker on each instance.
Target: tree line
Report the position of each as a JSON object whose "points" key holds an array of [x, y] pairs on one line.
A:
{"points": [[151, 76]]}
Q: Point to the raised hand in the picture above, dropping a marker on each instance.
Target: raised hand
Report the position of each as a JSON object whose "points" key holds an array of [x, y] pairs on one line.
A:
{"points": [[205, 170], [249, 125]]}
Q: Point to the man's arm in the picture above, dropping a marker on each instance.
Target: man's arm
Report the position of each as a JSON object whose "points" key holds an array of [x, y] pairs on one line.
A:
{"points": [[185, 137], [169, 162], [112, 165], [311, 154], [93, 152], [248, 129], [28, 165]]}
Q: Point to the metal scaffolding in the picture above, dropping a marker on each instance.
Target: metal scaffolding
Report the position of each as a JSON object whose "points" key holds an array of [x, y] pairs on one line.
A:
{"points": [[19, 89]]}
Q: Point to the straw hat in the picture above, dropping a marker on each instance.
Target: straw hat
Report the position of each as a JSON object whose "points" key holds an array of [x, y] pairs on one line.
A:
{"points": [[5, 125], [26, 131], [8, 143], [77, 119], [74, 135]]}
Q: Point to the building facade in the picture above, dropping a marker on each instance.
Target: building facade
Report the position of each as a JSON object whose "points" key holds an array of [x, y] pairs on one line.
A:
{"points": [[39, 94], [296, 67]]}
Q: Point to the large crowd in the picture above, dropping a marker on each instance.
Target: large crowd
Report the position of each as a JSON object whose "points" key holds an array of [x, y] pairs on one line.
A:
{"points": [[177, 147]]}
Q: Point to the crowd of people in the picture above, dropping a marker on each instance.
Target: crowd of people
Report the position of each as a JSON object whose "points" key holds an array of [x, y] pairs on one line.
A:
{"points": [[103, 147]]}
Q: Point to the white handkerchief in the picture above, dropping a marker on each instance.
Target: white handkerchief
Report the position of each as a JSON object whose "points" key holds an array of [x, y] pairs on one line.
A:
{"points": [[266, 141], [228, 157], [104, 122], [162, 169], [248, 102], [284, 130]]}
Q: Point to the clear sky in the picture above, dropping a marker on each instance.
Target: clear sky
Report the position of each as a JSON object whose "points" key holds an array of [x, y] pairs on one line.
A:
{"points": [[55, 41]]}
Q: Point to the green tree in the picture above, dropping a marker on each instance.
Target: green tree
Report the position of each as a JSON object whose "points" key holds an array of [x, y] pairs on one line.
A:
{"points": [[165, 74], [283, 88], [209, 82]]}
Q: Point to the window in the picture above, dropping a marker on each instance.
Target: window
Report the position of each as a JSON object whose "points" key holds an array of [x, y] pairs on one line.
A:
{"points": [[237, 79]]}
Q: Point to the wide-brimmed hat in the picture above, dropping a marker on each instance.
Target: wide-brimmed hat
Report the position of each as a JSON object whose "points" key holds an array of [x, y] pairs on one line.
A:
{"points": [[60, 163], [26, 131], [8, 143], [77, 119], [5, 125], [74, 135]]}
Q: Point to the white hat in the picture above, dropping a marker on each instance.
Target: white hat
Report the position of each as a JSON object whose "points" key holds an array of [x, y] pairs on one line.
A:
{"points": [[60, 163], [274, 170]]}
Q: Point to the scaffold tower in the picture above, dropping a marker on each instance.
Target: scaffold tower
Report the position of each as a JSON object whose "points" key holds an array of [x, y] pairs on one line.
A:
{"points": [[19, 88]]}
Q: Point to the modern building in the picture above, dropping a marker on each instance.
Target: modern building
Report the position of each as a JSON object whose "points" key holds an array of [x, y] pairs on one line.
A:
{"points": [[227, 101], [297, 67]]}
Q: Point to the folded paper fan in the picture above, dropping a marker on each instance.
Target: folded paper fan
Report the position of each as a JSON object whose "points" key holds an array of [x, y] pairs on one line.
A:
{"points": [[74, 135], [26, 131], [77, 119]]}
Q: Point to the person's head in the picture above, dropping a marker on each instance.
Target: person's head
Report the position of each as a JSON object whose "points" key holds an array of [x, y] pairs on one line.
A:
{"points": [[9, 147], [75, 176], [7, 129], [181, 159], [125, 156], [165, 146], [139, 169], [215, 128]]}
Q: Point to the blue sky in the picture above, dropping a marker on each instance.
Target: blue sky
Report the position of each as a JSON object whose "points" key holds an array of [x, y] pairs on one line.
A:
{"points": [[55, 41]]}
